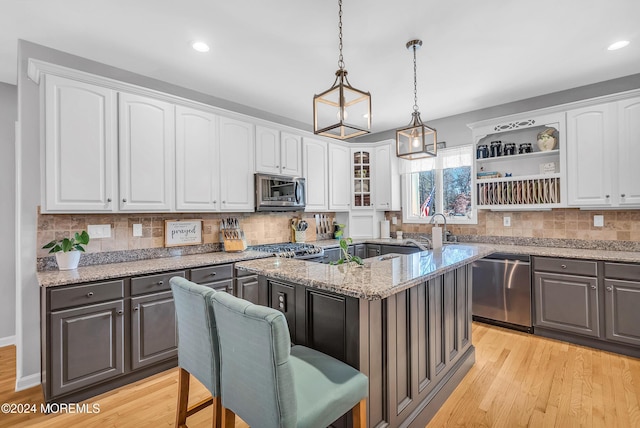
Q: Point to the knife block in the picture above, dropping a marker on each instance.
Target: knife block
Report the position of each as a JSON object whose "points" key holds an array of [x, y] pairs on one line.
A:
{"points": [[233, 245]]}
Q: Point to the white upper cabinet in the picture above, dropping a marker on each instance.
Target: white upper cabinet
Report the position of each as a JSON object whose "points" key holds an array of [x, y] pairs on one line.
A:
{"points": [[80, 147], [386, 179], [197, 160], [314, 159], [278, 152], [237, 140], [339, 177], [603, 143], [147, 142], [629, 152], [291, 154]]}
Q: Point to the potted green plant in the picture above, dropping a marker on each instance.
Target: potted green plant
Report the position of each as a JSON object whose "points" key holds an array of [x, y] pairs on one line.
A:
{"points": [[346, 257], [68, 250]]}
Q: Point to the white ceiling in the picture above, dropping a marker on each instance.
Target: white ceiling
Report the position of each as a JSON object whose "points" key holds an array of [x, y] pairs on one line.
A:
{"points": [[275, 55]]}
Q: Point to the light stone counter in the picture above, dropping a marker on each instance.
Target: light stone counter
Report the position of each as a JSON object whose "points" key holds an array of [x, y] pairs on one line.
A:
{"points": [[380, 277], [548, 251], [54, 278]]}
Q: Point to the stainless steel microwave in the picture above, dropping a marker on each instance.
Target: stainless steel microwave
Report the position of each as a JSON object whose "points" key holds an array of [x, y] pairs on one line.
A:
{"points": [[280, 193]]}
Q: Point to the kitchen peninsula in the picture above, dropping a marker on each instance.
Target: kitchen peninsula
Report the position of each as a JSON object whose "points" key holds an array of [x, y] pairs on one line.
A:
{"points": [[403, 320]]}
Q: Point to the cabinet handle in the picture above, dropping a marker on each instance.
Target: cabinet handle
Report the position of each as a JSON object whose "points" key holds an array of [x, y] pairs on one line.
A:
{"points": [[160, 283], [224, 202], [284, 167], [593, 287], [108, 199], [124, 200], [212, 274], [90, 293], [606, 196], [622, 195], [609, 288], [215, 202], [563, 266], [120, 312], [136, 308]]}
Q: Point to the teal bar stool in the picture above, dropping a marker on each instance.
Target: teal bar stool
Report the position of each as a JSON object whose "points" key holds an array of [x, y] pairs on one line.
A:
{"points": [[198, 349], [269, 383]]}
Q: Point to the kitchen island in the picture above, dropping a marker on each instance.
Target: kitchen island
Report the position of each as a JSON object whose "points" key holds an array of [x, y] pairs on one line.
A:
{"points": [[403, 320]]}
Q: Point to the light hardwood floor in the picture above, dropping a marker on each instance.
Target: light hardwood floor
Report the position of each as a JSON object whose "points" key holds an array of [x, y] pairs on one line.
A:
{"points": [[518, 380]]}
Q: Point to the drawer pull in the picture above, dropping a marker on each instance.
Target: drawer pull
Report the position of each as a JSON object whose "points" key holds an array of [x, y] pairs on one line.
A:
{"points": [[593, 287], [120, 312], [136, 308], [212, 274], [90, 293], [609, 288], [563, 266], [160, 282]]}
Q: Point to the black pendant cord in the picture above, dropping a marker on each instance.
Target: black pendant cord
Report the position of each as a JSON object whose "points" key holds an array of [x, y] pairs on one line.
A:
{"points": [[340, 57]]}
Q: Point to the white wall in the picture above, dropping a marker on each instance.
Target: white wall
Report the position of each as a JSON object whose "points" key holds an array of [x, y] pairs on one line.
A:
{"points": [[8, 115]]}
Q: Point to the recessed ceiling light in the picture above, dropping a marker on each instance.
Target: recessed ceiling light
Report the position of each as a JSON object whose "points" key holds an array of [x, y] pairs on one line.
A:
{"points": [[200, 46], [618, 45]]}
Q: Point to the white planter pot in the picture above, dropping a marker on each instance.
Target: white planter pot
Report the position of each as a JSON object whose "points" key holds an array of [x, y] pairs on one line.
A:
{"points": [[68, 260]]}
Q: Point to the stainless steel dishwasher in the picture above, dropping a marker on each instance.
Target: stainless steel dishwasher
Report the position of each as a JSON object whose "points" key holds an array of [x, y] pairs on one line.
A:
{"points": [[502, 291]]}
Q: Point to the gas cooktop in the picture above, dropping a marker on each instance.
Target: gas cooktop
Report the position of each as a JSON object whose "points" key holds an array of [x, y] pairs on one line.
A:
{"points": [[292, 250]]}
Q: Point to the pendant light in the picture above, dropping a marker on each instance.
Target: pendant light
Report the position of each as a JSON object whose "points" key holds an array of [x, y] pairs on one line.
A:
{"points": [[342, 111], [417, 140]]}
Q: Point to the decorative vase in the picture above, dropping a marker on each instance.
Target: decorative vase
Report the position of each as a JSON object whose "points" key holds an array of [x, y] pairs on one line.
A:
{"points": [[68, 260], [546, 140]]}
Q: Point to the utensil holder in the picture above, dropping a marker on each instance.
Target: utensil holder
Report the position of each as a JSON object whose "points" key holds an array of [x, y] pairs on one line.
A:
{"points": [[301, 235]]}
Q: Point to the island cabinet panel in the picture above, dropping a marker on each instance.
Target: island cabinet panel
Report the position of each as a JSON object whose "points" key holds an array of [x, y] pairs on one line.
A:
{"points": [[427, 333]]}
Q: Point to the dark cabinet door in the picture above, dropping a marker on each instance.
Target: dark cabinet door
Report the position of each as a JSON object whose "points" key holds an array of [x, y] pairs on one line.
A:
{"points": [[247, 288], [361, 250], [154, 336], [622, 302], [87, 346], [331, 255], [567, 302], [373, 250]]}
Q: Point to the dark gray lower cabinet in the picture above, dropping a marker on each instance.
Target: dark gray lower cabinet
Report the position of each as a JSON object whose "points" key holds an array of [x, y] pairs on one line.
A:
{"points": [[588, 302], [87, 346], [154, 336], [567, 302], [373, 250], [247, 288]]}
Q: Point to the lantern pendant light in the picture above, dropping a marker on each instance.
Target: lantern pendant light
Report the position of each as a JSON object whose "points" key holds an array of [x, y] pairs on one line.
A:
{"points": [[342, 111], [417, 140]]}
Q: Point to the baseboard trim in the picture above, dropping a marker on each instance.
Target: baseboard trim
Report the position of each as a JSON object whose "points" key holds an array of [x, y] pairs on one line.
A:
{"points": [[27, 382], [7, 341]]}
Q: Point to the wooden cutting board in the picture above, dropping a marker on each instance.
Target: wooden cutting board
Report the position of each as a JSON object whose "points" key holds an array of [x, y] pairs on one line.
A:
{"points": [[311, 230]]}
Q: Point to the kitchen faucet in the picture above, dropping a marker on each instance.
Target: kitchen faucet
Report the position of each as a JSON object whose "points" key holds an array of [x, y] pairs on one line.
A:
{"points": [[433, 220]]}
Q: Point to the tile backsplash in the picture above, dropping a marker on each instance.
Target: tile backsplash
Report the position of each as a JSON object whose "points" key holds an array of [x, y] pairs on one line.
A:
{"points": [[565, 223], [259, 228]]}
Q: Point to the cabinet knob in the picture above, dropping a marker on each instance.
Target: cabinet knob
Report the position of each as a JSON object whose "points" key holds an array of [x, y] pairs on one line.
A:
{"points": [[120, 312], [215, 202], [622, 195], [609, 288], [593, 287], [160, 283], [224, 202], [284, 167], [108, 199], [124, 200], [607, 196], [90, 293], [563, 266], [136, 308], [212, 274]]}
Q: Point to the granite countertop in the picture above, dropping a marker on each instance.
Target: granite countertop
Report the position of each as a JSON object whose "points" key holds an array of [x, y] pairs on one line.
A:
{"points": [[54, 278], [570, 253], [380, 277]]}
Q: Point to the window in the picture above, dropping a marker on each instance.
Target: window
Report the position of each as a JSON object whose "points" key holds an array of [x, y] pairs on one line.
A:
{"points": [[440, 185]]}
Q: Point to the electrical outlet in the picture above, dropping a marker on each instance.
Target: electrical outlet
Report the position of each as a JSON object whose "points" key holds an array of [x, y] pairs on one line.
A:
{"points": [[137, 229], [394, 220], [598, 220], [98, 231], [506, 221]]}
